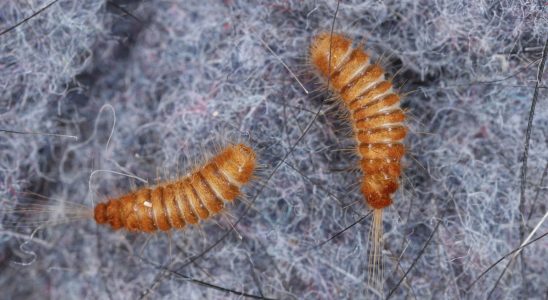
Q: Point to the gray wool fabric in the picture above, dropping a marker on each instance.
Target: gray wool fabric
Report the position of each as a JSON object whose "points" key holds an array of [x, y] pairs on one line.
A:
{"points": [[152, 89]]}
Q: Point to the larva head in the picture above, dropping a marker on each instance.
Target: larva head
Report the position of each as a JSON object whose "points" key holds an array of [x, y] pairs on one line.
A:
{"points": [[238, 162], [323, 44], [245, 158]]}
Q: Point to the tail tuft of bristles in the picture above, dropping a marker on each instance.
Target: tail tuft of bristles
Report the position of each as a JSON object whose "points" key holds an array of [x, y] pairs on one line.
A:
{"points": [[375, 263]]}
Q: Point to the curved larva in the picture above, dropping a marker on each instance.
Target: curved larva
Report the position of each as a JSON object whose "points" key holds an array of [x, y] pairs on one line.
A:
{"points": [[187, 200], [375, 113], [377, 122]]}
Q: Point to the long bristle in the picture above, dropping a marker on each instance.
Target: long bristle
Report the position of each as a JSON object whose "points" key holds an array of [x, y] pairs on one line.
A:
{"points": [[375, 262], [33, 210]]}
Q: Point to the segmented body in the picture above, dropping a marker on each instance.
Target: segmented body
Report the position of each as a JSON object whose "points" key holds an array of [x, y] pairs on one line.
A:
{"points": [[375, 112], [186, 200]]}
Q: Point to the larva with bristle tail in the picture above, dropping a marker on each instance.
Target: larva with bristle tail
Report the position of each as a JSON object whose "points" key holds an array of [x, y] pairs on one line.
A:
{"points": [[186, 200], [377, 122]]}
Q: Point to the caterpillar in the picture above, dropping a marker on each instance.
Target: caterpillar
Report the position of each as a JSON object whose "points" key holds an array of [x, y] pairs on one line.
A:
{"points": [[377, 122], [186, 200]]}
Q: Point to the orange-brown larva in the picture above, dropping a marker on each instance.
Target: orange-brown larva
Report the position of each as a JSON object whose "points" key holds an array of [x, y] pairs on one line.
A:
{"points": [[375, 112], [186, 200], [377, 122]]}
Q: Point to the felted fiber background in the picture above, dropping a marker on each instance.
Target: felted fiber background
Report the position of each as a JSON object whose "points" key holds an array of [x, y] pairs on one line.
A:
{"points": [[173, 81]]}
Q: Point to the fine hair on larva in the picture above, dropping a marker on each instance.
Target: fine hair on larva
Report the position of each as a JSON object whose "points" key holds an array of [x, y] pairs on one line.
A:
{"points": [[377, 121]]}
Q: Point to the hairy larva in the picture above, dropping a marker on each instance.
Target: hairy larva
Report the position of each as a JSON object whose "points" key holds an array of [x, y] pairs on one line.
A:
{"points": [[377, 122], [186, 200]]}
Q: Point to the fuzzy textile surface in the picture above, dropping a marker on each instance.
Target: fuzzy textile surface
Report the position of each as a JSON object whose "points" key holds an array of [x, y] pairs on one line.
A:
{"points": [[152, 89]]}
